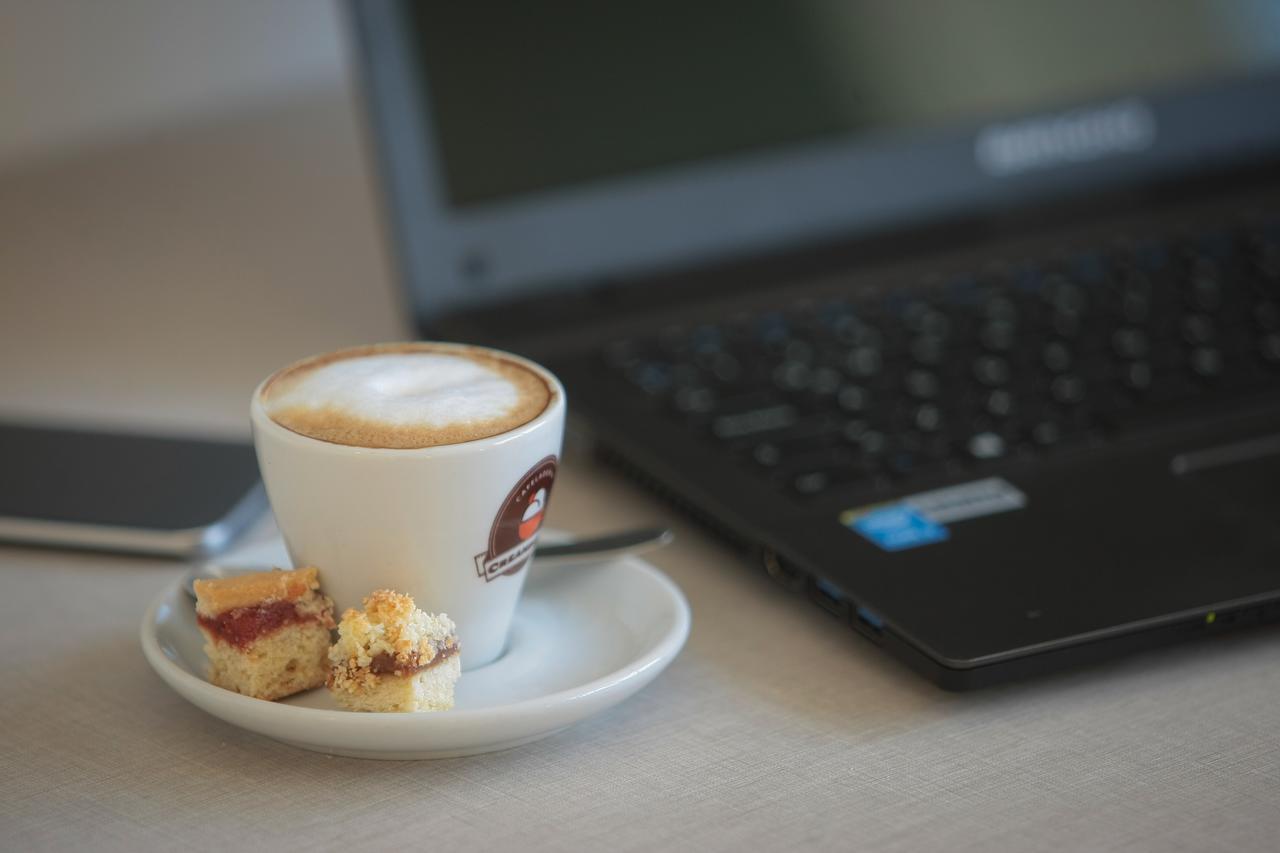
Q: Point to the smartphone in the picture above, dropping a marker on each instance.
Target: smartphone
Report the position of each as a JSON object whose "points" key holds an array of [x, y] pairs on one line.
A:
{"points": [[168, 496]]}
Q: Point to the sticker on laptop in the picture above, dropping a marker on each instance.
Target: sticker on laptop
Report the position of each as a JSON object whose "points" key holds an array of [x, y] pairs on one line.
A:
{"points": [[922, 519]]}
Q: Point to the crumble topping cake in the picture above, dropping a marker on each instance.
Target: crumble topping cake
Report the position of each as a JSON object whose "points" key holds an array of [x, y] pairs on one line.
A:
{"points": [[394, 657], [266, 633]]}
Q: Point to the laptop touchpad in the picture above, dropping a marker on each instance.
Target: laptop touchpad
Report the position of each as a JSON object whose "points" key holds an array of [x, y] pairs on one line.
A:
{"points": [[1243, 476]]}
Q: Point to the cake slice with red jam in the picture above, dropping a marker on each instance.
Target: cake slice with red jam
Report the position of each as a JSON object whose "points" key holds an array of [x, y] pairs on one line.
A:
{"points": [[266, 633], [394, 657]]}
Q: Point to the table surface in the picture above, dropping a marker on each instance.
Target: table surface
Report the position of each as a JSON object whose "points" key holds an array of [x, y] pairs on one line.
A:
{"points": [[153, 284]]}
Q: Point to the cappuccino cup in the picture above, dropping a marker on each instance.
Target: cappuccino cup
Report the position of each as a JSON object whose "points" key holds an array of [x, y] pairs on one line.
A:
{"points": [[426, 468]]}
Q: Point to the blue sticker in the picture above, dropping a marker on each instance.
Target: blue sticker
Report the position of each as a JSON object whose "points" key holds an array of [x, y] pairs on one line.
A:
{"points": [[897, 527]]}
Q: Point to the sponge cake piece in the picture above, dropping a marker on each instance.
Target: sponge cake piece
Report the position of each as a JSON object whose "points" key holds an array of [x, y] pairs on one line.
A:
{"points": [[266, 633], [394, 657]]}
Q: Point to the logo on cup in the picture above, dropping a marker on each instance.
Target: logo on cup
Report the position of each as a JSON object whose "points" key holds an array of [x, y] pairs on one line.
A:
{"points": [[515, 529]]}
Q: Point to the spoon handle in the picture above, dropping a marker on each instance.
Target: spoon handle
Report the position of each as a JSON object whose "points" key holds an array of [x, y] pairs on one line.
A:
{"points": [[600, 548]]}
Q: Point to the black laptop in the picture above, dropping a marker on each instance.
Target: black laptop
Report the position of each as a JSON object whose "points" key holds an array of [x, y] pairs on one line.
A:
{"points": [[964, 322]]}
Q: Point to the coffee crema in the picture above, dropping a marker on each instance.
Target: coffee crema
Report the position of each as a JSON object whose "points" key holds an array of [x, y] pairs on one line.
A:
{"points": [[405, 396]]}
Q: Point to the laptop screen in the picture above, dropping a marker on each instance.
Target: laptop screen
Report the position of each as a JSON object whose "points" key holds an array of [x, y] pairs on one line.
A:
{"points": [[566, 94], [534, 147]]}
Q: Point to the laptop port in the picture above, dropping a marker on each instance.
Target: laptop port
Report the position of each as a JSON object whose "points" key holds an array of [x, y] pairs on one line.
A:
{"points": [[869, 624], [778, 569], [829, 597]]}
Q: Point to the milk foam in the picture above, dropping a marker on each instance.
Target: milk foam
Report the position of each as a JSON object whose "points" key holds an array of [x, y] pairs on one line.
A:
{"points": [[407, 389]]}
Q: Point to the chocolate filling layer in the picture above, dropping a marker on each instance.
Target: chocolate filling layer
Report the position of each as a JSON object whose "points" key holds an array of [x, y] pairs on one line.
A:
{"points": [[385, 663], [241, 626]]}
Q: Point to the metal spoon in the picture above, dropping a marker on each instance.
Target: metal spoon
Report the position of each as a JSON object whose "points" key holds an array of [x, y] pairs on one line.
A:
{"points": [[576, 551]]}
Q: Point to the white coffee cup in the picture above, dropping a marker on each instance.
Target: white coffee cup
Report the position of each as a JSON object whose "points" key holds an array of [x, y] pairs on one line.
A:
{"points": [[452, 525]]}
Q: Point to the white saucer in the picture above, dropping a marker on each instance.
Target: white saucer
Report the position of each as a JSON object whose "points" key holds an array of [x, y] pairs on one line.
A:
{"points": [[584, 639]]}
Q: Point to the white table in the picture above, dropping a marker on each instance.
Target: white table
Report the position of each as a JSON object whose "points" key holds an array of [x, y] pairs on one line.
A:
{"points": [[154, 284]]}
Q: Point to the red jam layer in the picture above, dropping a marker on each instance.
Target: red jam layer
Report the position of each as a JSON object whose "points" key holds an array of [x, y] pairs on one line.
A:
{"points": [[384, 663], [241, 626]]}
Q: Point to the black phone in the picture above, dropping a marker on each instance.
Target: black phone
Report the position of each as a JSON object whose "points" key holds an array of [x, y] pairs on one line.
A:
{"points": [[180, 497]]}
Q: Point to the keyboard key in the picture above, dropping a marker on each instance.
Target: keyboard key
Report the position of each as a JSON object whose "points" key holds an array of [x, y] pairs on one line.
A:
{"points": [[754, 422], [1135, 306], [932, 323], [1206, 362], [767, 454], [927, 417], [1205, 288], [853, 398], [812, 482], [864, 362], [695, 401], [1046, 433], [855, 333], [650, 377], [902, 464], [1198, 329], [922, 384], [920, 318], [1089, 267], [706, 338], [997, 335], [928, 350], [798, 351], [772, 330], [1000, 310], [854, 429], [913, 453], [724, 367], [686, 376], [791, 375], [1029, 280], [747, 401], [986, 445], [1137, 375], [872, 443], [1068, 389], [814, 473], [999, 403], [674, 341], [1065, 324], [991, 370], [1057, 356], [1065, 296], [1130, 343], [825, 380]]}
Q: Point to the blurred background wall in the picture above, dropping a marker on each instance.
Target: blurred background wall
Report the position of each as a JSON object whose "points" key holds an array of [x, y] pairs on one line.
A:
{"points": [[80, 73], [187, 202]]}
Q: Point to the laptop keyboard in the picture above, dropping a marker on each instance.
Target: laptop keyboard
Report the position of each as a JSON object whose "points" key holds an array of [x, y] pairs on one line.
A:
{"points": [[831, 392]]}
